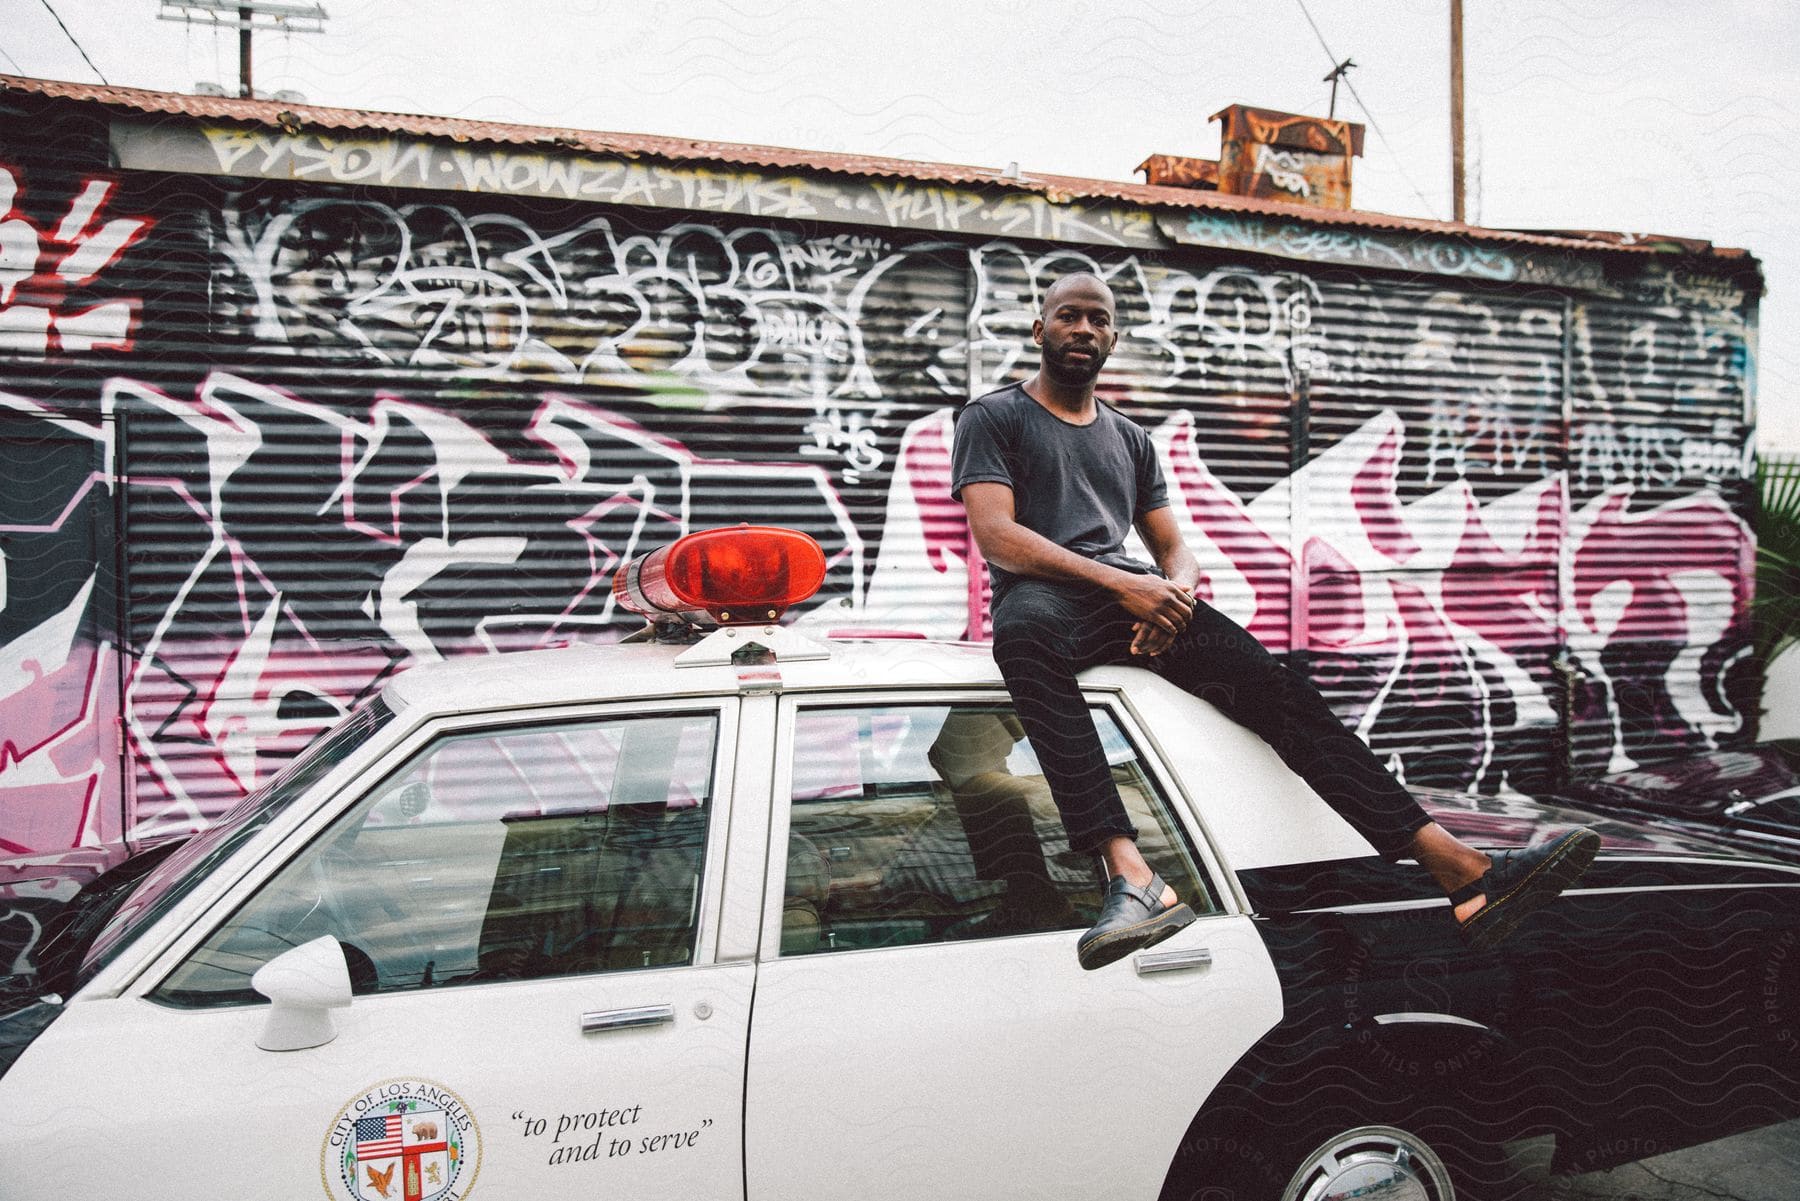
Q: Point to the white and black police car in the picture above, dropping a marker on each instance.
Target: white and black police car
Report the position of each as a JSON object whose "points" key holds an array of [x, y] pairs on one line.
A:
{"points": [[757, 916]]}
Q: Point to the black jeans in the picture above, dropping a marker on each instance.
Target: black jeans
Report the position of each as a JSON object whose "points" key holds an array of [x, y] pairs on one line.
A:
{"points": [[1044, 633]]}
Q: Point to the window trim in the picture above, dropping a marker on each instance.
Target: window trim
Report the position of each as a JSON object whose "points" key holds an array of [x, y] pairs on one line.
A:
{"points": [[1181, 807], [149, 954], [1231, 895], [272, 852]]}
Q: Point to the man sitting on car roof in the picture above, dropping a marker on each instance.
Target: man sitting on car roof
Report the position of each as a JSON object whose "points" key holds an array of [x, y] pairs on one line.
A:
{"points": [[1053, 481]]}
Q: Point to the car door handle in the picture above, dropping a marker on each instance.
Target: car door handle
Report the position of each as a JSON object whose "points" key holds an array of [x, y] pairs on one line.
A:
{"points": [[1173, 961], [626, 1019]]}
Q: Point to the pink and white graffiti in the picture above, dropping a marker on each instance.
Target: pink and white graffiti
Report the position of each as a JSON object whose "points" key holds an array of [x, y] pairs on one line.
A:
{"points": [[43, 270]]}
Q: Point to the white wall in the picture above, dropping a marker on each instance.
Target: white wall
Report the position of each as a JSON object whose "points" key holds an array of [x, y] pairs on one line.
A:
{"points": [[1781, 697]]}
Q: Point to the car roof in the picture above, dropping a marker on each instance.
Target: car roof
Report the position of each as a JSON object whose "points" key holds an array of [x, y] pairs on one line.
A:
{"points": [[598, 673]]}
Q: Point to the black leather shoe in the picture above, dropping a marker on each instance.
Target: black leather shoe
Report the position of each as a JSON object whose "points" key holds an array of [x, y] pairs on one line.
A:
{"points": [[1131, 919], [1521, 881]]}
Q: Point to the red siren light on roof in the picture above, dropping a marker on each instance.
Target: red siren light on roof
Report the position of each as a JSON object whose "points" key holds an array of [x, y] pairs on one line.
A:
{"points": [[740, 575]]}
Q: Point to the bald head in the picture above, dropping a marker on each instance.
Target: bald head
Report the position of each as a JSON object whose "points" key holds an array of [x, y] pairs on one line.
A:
{"points": [[1083, 283]]}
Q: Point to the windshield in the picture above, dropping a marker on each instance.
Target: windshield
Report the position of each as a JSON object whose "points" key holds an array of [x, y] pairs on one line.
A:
{"points": [[177, 875]]}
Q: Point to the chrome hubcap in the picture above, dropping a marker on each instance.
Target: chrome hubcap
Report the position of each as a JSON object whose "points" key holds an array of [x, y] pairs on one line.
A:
{"points": [[1371, 1163]]}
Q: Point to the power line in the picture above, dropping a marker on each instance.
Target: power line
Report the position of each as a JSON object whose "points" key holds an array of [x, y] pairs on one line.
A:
{"points": [[84, 53], [1373, 123], [17, 69]]}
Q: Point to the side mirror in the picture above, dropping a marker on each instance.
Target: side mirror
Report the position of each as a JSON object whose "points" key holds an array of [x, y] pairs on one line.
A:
{"points": [[303, 985]]}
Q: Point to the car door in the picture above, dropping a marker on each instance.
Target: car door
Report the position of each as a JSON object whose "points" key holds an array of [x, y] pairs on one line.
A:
{"points": [[527, 911], [922, 1027]]}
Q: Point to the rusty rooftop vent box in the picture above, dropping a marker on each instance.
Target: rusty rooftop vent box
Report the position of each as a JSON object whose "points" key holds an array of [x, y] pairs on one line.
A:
{"points": [[1176, 171], [1269, 155]]}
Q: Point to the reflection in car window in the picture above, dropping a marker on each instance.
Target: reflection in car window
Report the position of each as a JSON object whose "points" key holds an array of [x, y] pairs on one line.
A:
{"points": [[496, 855], [1782, 812], [176, 876], [932, 823]]}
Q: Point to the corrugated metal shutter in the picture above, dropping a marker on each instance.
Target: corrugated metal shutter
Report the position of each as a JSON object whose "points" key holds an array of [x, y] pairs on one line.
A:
{"points": [[69, 305], [427, 431], [1659, 558], [1431, 516], [59, 635]]}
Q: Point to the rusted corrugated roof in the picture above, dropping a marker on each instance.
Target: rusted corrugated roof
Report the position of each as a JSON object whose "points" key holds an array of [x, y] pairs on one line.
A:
{"points": [[1665, 242], [731, 154]]}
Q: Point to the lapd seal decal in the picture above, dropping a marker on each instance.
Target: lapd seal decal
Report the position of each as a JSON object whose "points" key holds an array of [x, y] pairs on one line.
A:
{"points": [[401, 1140]]}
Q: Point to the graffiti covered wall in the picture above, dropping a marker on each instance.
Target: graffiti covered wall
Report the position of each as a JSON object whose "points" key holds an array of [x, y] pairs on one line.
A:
{"points": [[268, 444]]}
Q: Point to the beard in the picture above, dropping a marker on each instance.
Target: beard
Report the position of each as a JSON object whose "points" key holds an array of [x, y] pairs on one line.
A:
{"points": [[1073, 372]]}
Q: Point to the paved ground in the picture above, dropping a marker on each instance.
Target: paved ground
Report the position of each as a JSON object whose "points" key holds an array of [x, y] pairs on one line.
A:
{"points": [[1763, 1165]]}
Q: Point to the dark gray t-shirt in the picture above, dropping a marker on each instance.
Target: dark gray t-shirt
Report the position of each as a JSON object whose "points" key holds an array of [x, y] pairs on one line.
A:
{"points": [[1081, 486]]}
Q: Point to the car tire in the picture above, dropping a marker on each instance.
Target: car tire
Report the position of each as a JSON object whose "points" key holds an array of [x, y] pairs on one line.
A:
{"points": [[1420, 1148], [1386, 1161]]}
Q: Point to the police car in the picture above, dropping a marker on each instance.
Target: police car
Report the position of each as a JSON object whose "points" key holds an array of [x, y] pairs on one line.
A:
{"points": [[759, 915]]}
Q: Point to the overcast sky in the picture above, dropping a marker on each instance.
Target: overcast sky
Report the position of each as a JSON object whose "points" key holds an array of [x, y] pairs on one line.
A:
{"points": [[1641, 115]]}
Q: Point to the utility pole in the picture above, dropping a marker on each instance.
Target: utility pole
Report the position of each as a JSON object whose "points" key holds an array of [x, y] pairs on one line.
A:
{"points": [[246, 15], [1456, 111], [244, 88]]}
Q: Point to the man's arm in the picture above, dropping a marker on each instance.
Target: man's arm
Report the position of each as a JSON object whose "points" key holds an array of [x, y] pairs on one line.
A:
{"points": [[1163, 537], [1023, 552]]}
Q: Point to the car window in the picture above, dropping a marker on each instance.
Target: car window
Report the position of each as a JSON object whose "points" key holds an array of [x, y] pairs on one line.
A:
{"points": [[493, 855], [919, 824], [177, 875]]}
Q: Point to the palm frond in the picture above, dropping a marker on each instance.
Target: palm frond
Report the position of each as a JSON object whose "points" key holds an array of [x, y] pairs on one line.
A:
{"points": [[1776, 609]]}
